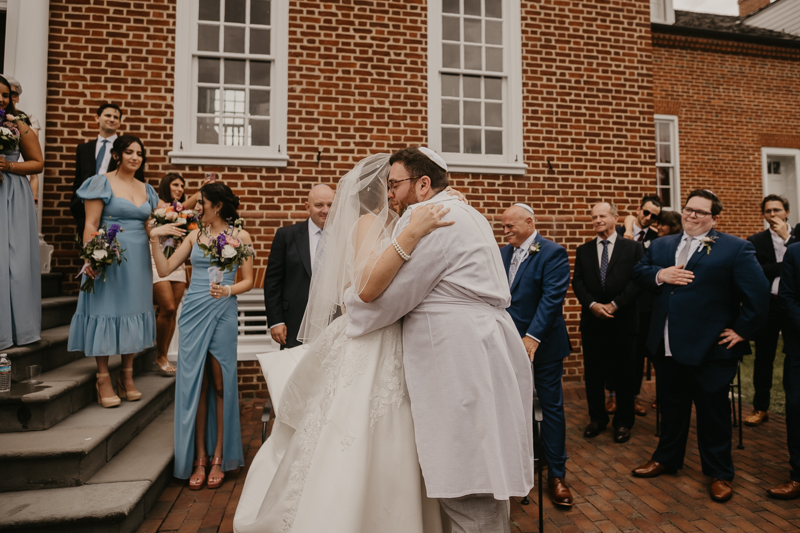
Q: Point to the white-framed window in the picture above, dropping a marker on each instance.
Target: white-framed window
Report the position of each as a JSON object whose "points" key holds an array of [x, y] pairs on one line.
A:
{"points": [[667, 165], [230, 82], [662, 12], [475, 85], [779, 171]]}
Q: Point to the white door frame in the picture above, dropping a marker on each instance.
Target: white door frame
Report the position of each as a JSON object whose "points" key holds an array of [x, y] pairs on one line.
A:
{"points": [[768, 151]]}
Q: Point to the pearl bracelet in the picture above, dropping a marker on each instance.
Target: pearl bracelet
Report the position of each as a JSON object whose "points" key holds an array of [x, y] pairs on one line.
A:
{"points": [[400, 251]]}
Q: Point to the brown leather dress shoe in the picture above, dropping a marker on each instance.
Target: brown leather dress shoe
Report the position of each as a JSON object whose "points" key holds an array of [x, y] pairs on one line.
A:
{"points": [[611, 405], [652, 469], [720, 490], [559, 492], [757, 418], [639, 409], [786, 491]]}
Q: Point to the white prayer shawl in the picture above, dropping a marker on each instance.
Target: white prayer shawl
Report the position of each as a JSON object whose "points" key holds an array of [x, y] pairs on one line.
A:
{"points": [[468, 374]]}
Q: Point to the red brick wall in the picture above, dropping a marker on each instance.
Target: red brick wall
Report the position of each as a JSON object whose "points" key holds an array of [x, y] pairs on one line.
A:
{"points": [[587, 92], [731, 100], [751, 6]]}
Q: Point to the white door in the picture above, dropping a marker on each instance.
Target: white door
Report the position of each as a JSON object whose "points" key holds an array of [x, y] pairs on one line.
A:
{"points": [[780, 177]]}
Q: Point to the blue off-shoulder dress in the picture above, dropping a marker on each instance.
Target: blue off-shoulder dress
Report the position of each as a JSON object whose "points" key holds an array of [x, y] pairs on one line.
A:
{"points": [[20, 277], [206, 327], [118, 318]]}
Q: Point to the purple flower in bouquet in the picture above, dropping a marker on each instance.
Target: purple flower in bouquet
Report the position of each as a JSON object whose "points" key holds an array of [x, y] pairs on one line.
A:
{"points": [[112, 232]]}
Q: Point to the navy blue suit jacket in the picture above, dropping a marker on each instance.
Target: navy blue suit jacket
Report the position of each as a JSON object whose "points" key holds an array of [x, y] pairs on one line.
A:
{"points": [[789, 294], [729, 290], [537, 297]]}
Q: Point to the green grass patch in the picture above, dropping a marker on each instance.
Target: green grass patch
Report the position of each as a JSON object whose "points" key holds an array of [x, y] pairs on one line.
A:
{"points": [[776, 394]]}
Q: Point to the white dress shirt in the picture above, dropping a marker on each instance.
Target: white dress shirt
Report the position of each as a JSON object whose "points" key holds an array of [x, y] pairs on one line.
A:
{"points": [[107, 155], [779, 243], [694, 247], [518, 251], [611, 241], [314, 235], [637, 230]]}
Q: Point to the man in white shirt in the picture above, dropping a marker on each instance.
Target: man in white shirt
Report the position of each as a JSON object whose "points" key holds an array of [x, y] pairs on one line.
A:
{"points": [[770, 246]]}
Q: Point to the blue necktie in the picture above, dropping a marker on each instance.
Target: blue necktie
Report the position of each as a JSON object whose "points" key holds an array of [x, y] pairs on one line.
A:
{"points": [[100, 155], [604, 263]]}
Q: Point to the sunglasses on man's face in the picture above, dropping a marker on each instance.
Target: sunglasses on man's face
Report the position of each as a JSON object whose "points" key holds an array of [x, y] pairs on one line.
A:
{"points": [[647, 213]]}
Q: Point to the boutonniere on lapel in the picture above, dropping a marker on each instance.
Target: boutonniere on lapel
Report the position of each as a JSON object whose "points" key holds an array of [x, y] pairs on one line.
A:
{"points": [[706, 243], [535, 248], [647, 244]]}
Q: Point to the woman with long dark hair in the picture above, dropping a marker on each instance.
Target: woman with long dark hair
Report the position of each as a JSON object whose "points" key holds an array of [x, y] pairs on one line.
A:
{"points": [[118, 317], [20, 277], [206, 420]]}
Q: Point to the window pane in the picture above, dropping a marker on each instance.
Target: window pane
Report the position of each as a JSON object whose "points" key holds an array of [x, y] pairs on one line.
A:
{"points": [[494, 8], [472, 31], [664, 175], [207, 100], [259, 41], [662, 132], [666, 197], [260, 73], [451, 28], [235, 10], [208, 38], [233, 131], [260, 12], [494, 59], [494, 142], [472, 57], [472, 86], [451, 56], [450, 140], [450, 6], [450, 112], [472, 113], [493, 88], [234, 39], [233, 102], [664, 153], [207, 131], [494, 32], [259, 132], [259, 103], [234, 71], [209, 10], [472, 141], [472, 7], [208, 70], [450, 85], [493, 115]]}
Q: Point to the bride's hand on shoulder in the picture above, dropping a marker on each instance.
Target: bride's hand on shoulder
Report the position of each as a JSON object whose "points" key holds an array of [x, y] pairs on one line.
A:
{"points": [[458, 194], [426, 218], [167, 230]]}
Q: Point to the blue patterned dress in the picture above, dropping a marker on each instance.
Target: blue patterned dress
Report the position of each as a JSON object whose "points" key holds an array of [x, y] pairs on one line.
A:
{"points": [[20, 278], [207, 326], [118, 318]]}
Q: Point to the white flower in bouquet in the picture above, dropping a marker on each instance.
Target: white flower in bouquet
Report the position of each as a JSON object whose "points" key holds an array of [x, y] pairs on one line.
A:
{"points": [[160, 212], [172, 215], [228, 251], [5, 131], [99, 254], [180, 221]]}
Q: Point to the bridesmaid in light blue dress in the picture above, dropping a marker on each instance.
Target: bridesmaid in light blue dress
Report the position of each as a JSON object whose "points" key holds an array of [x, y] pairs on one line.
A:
{"points": [[118, 318], [20, 278], [206, 420]]}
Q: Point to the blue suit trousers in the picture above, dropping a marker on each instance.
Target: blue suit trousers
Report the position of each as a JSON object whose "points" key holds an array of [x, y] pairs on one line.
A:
{"points": [[547, 380]]}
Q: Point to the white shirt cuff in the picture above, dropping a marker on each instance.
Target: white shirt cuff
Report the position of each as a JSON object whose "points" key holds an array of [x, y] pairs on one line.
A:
{"points": [[659, 283], [532, 337], [278, 324], [775, 285]]}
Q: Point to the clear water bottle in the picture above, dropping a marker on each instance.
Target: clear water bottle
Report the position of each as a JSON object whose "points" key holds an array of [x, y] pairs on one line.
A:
{"points": [[5, 373]]}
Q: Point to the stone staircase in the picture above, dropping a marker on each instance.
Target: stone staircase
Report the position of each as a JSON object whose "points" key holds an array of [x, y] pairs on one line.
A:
{"points": [[67, 464]]}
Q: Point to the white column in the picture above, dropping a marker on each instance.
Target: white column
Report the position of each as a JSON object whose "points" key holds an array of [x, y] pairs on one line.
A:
{"points": [[27, 33]]}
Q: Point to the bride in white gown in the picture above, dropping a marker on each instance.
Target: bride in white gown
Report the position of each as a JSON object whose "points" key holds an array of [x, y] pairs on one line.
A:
{"points": [[342, 456]]}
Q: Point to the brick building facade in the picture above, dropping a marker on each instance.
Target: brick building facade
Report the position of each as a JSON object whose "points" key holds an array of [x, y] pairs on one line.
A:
{"points": [[592, 77]]}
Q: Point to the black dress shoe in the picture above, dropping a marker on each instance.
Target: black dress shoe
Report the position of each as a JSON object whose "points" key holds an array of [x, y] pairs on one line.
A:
{"points": [[593, 430], [622, 434]]}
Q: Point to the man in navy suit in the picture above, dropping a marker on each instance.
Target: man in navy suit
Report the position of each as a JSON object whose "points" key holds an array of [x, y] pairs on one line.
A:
{"points": [[711, 298], [538, 274], [789, 294]]}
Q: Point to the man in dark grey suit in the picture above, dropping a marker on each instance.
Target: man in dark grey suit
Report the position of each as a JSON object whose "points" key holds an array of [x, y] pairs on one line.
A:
{"points": [[290, 267]]}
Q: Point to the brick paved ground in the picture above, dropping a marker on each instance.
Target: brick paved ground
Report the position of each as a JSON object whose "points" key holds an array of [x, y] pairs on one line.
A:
{"points": [[607, 498]]}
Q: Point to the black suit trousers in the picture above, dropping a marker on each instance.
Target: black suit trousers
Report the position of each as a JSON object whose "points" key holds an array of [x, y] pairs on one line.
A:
{"points": [[609, 359], [766, 346]]}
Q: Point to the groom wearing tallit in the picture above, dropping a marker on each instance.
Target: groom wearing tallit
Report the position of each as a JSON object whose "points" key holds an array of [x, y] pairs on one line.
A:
{"points": [[468, 375]]}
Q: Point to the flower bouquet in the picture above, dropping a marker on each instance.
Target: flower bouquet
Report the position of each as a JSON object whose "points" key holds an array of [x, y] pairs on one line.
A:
{"points": [[226, 251], [9, 133], [175, 213], [102, 251]]}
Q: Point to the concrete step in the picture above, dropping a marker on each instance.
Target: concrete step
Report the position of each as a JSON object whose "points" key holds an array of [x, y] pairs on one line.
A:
{"points": [[114, 500], [72, 451], [58, 311], [59, 393], [50, 352], [51, 284]]}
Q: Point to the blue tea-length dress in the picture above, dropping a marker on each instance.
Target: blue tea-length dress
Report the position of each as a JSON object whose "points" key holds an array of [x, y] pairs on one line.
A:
{"points": [[207, 326], [20, 273], [118, 318]]}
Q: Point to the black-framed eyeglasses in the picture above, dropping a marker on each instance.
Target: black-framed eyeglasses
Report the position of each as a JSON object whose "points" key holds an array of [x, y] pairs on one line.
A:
{"points": [[648, 213], [688, 211], [391, 185]]}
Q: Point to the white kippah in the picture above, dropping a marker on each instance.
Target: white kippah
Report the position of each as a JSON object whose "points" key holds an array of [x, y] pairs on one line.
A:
{"points": [[527, 208], [433, 156]]}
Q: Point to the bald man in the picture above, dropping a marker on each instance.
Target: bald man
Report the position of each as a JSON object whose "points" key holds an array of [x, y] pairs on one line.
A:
{"points": [[538, 275], [290, 267]]}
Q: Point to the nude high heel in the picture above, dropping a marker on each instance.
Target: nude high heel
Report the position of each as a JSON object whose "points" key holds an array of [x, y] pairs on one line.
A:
{"points": [[216, 484], [111, 401], [130, 395]]}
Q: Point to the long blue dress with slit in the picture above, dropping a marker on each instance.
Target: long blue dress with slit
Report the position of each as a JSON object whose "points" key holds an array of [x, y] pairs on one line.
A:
{"points": [[206, 327], [20, 277], [118, 318]]}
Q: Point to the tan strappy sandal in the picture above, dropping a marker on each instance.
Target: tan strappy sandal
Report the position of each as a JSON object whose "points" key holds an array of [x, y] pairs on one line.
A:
{"points": [[197, 480], [218, 483], [111, 401], [130, 395]]}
